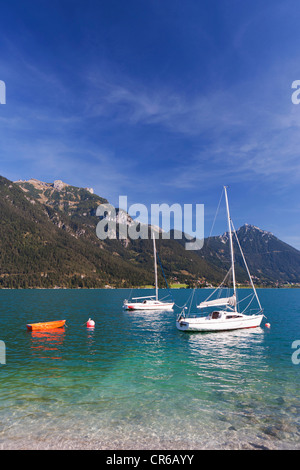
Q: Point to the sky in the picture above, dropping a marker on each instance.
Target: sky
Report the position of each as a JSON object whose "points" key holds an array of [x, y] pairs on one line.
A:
{"points": [[164, 101]]}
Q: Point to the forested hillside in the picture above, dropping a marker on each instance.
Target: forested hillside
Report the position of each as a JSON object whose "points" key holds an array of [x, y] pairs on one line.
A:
{"points": [[48, 239]]}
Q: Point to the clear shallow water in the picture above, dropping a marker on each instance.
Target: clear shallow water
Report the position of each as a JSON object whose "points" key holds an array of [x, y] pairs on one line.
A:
{"points": [[136, 382]]}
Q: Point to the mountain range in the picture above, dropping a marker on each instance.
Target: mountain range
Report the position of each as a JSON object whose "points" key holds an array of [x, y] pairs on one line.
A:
{"points": [[48, 239]]}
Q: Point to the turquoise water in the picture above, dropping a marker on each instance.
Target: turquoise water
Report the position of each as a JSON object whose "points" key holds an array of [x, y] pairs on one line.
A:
{"points": [[136, 382]]}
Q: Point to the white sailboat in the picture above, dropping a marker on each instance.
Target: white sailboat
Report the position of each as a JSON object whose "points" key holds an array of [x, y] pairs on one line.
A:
{"points": [[228, 318], [150, 302]]}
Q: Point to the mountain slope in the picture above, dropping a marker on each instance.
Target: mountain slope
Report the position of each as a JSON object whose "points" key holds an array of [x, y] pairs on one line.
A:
{"points": [[48, 238], [42, 247], [269, 259]]}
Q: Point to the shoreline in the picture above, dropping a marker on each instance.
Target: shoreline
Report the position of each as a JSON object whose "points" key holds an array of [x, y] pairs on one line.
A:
{"points": [[141, 288], [144, 444]]}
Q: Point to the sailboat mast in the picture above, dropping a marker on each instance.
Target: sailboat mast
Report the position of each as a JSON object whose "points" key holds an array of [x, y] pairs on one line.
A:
{"points": [[230, 240], [155, 267]]}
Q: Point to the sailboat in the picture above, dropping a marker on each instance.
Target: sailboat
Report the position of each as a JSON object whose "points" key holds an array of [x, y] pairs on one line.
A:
{"points": [[229, 317], [150, 302]]}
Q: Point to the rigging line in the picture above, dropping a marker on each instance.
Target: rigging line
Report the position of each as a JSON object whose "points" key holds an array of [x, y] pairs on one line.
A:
{"points": [[223, 287], [165, 277], [181, 307], [246, 266], [162, 298], [248, 303], [242, 300], [213, 224], [227, 274], [129, 297], [191, 301]]}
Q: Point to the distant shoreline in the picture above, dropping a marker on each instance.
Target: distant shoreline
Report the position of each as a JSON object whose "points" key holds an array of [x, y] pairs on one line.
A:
{"points": [[144, 288]]}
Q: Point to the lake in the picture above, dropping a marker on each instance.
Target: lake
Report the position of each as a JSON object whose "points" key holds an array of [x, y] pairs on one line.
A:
{"points": [[136, 382]]}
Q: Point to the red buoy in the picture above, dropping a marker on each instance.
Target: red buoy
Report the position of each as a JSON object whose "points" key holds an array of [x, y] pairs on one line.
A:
{"points": [[268, 325], [90, 323]]}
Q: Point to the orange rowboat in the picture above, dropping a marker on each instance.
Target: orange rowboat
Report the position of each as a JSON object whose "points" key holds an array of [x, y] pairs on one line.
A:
{"points": [[45, 325]]}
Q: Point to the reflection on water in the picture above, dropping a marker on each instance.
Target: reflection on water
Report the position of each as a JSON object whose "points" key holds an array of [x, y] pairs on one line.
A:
{"points": [[228, 352], [226, 342], [148, 314], [92, 348], [47, 344]]}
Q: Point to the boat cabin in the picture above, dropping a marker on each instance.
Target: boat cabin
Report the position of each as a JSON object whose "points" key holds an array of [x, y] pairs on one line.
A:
{"points": [[217, 315]]}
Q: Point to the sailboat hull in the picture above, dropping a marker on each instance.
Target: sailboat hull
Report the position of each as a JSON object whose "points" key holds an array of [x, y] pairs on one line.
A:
{"points": [[148, 305], [222, 324]]}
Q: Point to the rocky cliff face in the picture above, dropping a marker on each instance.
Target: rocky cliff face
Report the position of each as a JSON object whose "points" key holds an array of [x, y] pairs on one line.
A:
{"points": [[62, 196]]}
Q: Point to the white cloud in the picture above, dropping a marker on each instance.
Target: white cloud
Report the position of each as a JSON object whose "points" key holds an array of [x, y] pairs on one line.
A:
{"points": [[243, 131]]}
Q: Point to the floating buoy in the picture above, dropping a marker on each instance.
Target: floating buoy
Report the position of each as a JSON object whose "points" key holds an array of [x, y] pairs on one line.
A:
{"points": [[90, 323], [268, 325]]}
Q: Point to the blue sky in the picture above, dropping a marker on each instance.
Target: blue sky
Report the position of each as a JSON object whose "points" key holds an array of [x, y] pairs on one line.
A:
{"points": [[159, 100]]}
